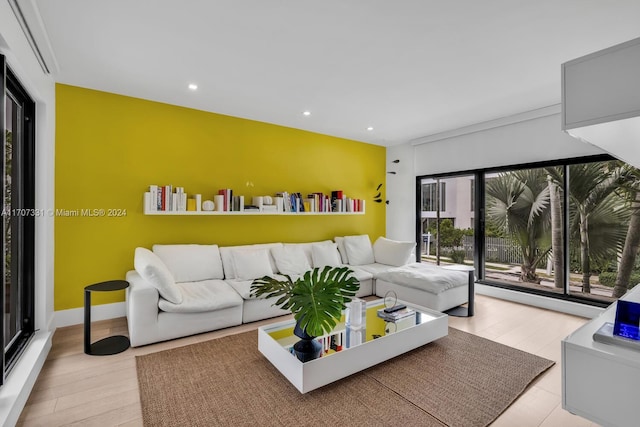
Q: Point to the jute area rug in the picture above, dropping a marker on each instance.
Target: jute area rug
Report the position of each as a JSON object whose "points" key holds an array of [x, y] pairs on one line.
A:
{"points": [[459, 380]]}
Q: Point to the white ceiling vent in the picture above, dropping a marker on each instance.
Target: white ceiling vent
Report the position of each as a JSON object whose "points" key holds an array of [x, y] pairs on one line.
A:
{"points": [[29, 18]]}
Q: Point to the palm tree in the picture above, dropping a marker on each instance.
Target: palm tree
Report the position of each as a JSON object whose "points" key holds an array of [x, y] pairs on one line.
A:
{"points": [[518, 202], [630, 184], [595, 215], [557, 245]]}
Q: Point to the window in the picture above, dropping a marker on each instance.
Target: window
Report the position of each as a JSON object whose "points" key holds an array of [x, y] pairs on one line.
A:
{"points": [[446, 230], [18, 191], [568, 229], [524, 228], [430, 197]]}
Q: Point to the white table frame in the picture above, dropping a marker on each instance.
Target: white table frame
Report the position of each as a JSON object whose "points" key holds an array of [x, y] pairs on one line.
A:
{"points": [[317, 373]]}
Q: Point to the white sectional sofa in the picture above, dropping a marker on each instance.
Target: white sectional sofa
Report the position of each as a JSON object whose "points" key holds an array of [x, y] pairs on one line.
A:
{"points": [[181, 290]]}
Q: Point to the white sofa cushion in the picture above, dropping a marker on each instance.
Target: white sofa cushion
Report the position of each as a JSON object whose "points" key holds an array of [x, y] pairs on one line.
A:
{"points": [[304, 247], [324, 254], [342, 249], [243, 287], [151, 268], [191, 263], [290, 259], [373, 269], [361, 274], [226, 253], [392, 252], [359, 250], [426, 277], [205, 295], [251, 265]]}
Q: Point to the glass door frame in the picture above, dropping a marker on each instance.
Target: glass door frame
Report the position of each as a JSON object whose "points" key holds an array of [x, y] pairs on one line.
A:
{"points": [[23, 171], [479, 222]]}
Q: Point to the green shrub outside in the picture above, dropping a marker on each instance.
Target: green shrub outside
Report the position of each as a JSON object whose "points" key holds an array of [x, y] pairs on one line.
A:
{"points": [[457, 257], [608, 278]]}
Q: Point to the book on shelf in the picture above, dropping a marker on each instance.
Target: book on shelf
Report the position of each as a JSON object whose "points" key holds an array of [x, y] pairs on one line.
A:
{"points": [[336, 201], [396, 315], [179, 200], [166, 197], [162, 198], [299, 202], [227, 198], [309, 205], [237, 204], [152, 204], [286, 201]]}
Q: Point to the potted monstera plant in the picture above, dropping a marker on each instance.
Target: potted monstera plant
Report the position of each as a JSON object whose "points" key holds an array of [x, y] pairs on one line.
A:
{"points": [[316, 300]]}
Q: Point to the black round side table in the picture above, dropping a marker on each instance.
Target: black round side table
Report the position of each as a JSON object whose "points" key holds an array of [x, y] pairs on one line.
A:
{"points": [[110, 345]]}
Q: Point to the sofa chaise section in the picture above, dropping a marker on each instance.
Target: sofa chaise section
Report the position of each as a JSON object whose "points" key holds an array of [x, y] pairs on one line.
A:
{"points": [[425, 284]]}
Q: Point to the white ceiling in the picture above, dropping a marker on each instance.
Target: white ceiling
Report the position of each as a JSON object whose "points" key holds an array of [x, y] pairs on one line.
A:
{"points": [[408, 68]]}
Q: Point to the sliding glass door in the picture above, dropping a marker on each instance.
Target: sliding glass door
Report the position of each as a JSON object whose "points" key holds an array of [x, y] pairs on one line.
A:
{"points": [[524, 228], [569, 229], [447, 219], [18, 215], [603, 222]]}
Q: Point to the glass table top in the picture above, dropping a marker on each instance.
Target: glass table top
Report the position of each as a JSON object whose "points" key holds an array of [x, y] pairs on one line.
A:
{"points": [[344, 336]]}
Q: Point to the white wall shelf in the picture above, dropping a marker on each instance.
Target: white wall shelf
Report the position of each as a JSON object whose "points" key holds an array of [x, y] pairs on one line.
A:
{"points": [[247, 213], [148, 210]]}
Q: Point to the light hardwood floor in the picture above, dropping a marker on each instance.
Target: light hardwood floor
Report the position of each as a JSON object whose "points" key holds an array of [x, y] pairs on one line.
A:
{"points": [[79, 390]]}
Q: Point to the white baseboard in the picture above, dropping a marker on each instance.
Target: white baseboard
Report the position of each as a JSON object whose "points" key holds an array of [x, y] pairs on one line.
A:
{"points": [[75, 316], [569, 307], [15, 391]]}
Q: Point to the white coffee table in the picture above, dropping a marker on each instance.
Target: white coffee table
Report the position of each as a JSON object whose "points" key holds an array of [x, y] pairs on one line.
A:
{"points": [[361, 348]]}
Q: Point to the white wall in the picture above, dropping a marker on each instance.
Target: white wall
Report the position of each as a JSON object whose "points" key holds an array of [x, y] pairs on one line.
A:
{"points": [[519, 141], [529, 141], [401, 193], [41, 88]]}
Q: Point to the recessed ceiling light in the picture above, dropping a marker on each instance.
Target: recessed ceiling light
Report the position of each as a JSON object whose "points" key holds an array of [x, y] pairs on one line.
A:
{"points": [[306, 113], [193, 86], [369, 128]]}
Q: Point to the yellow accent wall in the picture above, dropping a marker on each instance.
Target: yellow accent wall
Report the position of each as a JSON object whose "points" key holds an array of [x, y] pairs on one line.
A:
{"points": [[110, 148]]}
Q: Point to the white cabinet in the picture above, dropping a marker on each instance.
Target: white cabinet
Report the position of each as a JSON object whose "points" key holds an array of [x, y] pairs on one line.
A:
{"points": [[600, 382], [602, 87], [601, 100]]}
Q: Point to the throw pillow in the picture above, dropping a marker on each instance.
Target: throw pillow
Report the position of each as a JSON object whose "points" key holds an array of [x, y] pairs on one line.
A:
{"points": [[151, 268], [191, 263], [359, 250], [342, 249], [251, 264], [392, 252], [290, 260], [324, 254]]}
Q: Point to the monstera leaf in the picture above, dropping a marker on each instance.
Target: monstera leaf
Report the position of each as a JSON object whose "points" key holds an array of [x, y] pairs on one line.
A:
{"points": [[316, 299], [270, 287]]}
